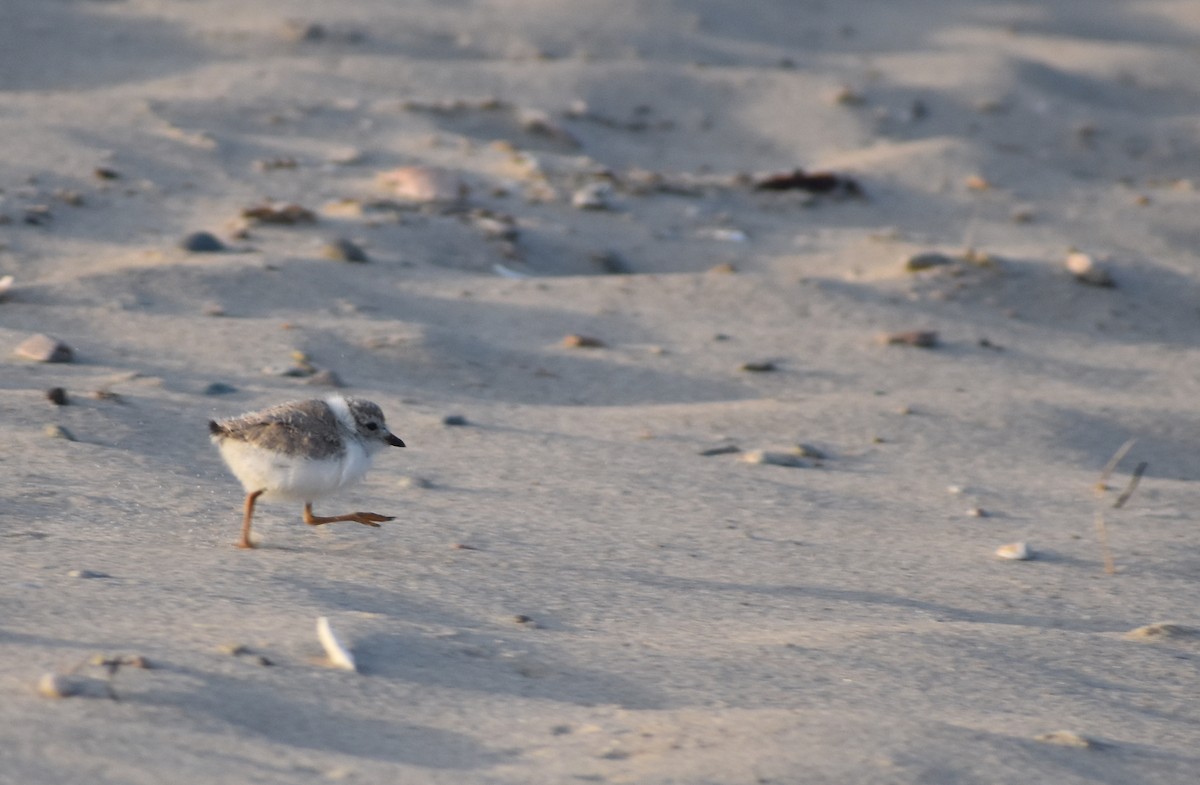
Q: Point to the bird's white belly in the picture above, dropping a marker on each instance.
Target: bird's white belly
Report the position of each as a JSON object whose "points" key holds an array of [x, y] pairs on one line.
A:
{"points": [[291, 477]]}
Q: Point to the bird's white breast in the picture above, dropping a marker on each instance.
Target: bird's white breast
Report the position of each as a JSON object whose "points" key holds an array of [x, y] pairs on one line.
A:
{"points": [[294, 477]]}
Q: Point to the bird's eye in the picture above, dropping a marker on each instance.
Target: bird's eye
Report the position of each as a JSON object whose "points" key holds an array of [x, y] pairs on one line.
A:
{"points": [[372, 426]]}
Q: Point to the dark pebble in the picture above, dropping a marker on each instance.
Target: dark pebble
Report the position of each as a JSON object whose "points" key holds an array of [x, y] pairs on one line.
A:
{"points": [[454, 419], [924, 339], [87, 574], [723, 450], [759, 367], [219, 388], [202, 242], [57, 396], [342, 250]]}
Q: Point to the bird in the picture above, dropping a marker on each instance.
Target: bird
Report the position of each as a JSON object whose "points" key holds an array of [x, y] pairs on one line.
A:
{"points": [[302, 451]]}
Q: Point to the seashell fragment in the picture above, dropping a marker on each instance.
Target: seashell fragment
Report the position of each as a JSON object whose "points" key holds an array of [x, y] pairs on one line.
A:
{"points": [[1065, 738], [6, 283], [55, 685], [1162, 630], [770, 458], [339, 655], [423, 184], [574, 341], [44, 349], [1088, 270], [1015, 551], [593, 196]]}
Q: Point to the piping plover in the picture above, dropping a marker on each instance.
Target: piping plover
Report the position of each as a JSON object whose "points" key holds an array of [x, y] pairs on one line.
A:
{"points": [[301, 451]]}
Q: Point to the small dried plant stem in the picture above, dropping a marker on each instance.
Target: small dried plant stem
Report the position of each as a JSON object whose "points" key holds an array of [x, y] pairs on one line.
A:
{"points": [[1110, 566], [1131, 487]]}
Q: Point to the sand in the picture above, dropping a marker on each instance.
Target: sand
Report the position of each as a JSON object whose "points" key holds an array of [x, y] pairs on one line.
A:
{"points": [[572, 591]]}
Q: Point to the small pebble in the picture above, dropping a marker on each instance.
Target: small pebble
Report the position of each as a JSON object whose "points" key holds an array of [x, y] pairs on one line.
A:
{"points": [[219, 388], [413, 482], [105, 173], [273, 164], [342, 250], [202, 242], [927, 260], [1162, 630], [87, 574], [809, 451], [286, 213], [1022, 215], [57, 396], [454, 420], [346, 156], [55, 685], [1065, 738], [723, 234], [324, 378], [582, 342], [44, 349], [846, 96], [593, 196], [1087, 270], [539, 123], [924, 339], [212, 309], [6, 283], [1015, 551], [774, 458], [69, 196], [423, 184], [724, 268], [764, 366], [611, 263], [58, 432], [977, 512], [302, 31], [726, 449], [977, 183]]}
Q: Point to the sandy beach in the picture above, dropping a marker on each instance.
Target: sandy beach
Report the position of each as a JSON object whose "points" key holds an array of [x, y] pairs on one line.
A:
{"points": [[729, 343]]}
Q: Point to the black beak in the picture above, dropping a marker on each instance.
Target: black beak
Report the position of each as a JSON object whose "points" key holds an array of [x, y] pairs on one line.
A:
{"points": [[394, 440]]}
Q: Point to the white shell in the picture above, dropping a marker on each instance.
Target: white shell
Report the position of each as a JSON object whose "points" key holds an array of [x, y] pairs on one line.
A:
{"points": [[55, 685], [1015, 551], [1065, 738], [1088, 270], [339, 655], [771, 458], [6, 283]]}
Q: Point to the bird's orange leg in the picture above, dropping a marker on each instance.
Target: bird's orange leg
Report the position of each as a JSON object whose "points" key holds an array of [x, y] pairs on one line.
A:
{"points": [[365, 518], [249, 516]]}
